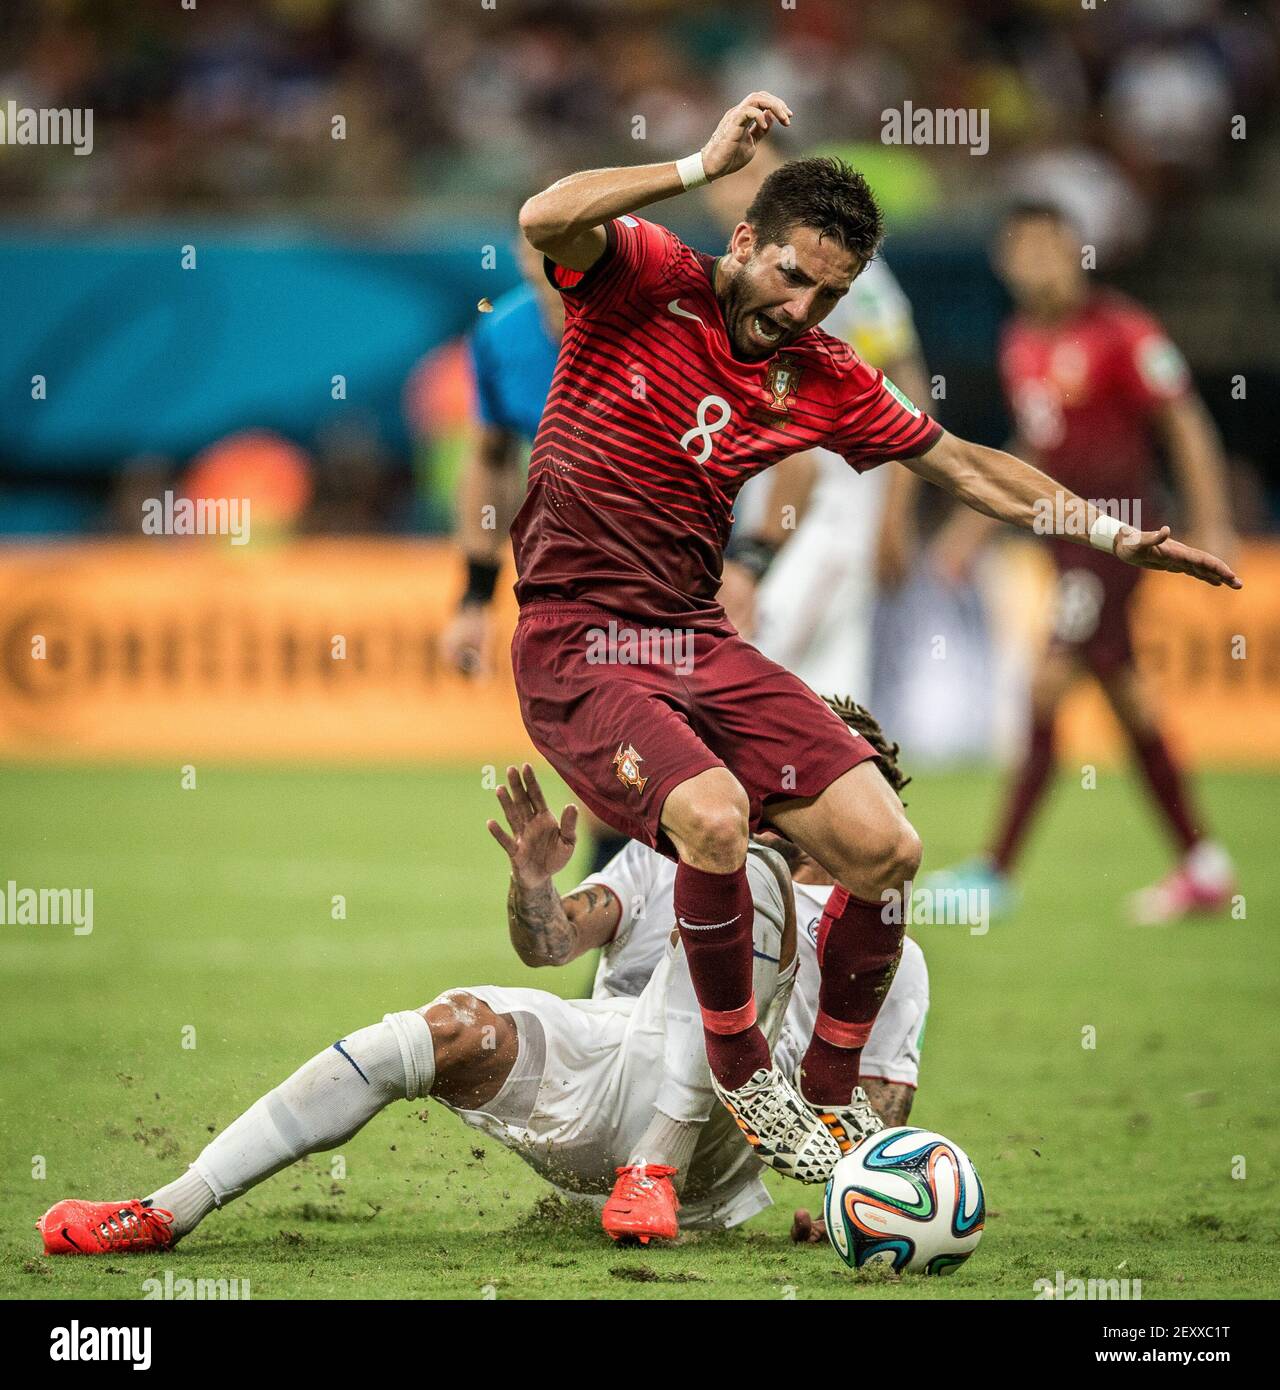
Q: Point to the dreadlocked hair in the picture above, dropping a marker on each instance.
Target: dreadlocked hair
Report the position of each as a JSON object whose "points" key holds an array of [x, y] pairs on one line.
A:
{"points": [[863, 722]]}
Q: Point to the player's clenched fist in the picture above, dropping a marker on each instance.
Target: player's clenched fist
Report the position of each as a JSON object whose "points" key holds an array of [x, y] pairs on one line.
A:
{"points": [[734, 140], [542, 845]]}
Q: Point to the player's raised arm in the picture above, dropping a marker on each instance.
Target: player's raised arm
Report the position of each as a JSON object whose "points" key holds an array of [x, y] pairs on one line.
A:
{"points": [[547, 929], [566, 221], [999, 485]]}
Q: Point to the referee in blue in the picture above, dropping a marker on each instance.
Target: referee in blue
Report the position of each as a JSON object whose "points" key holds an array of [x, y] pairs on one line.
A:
{"points": [[513, 356]]}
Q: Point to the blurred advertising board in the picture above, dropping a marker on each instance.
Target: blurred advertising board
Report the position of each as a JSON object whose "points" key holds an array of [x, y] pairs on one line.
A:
{"points": [[312, 649], [331, 649], [1212, 657]]}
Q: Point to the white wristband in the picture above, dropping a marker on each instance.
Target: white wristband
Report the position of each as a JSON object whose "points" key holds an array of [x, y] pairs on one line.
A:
{"points": [[1103, 533], [691, 171]]}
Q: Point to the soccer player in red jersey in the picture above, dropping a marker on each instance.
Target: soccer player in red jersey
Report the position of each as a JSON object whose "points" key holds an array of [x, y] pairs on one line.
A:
{"points": [[680, 376], [1093, 383]]}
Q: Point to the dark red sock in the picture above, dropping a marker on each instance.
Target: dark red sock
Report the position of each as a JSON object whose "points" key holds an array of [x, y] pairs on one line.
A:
{"points": [[1168, 788], [716, 916], [1028, 791], [858, 954]]}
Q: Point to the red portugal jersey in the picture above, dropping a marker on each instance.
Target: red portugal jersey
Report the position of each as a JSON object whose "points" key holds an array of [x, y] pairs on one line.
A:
{"points": [[1083, 393], [652, 426]]}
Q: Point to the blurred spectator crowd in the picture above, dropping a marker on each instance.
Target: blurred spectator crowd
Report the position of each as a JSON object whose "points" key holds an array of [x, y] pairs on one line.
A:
{"points": [[358, 113], [228, 107]]}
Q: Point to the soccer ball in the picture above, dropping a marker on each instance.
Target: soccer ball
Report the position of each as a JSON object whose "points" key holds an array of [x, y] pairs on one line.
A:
{"points": [[906, 1198]]}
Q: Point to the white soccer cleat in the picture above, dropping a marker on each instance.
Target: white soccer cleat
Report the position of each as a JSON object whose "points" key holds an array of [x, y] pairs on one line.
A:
{"points": [[785, 1133], [848, 1124]]}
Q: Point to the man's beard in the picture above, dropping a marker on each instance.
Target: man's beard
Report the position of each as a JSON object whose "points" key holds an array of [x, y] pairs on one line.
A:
{"points": [[737, 319]]}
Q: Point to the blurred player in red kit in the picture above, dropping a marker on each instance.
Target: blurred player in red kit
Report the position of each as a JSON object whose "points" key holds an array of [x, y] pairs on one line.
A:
{"points": [[1093, 385], [680, 376]]}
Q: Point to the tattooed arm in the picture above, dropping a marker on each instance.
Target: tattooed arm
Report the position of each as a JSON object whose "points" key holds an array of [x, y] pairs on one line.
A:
{"points": [[891, 1099], [547, 929]]}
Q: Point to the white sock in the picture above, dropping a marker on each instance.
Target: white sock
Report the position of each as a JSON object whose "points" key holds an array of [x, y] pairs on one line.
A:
{"points": [[668, 1141], [189, 1198], [324, 1103], [685, 1092]]}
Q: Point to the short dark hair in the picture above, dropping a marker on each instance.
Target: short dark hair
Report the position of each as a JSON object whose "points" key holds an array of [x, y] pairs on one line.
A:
{"points": [[823, 193], [863, 722]]}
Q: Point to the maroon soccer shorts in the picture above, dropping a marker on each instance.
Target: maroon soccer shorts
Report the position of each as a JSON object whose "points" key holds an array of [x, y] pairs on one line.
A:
{"points": [[624, 718], [1091, 617]]}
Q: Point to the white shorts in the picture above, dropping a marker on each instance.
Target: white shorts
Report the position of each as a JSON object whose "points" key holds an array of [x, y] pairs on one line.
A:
{"points": [[588, 1073]]}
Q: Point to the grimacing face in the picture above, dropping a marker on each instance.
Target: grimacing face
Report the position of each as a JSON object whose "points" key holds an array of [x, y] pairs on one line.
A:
{"points": [[1038, 258], [773, 293]]}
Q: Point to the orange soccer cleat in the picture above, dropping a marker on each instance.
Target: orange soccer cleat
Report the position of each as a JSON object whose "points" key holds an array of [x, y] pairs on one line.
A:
{"points": [[104, 1228], [643, 1204]]}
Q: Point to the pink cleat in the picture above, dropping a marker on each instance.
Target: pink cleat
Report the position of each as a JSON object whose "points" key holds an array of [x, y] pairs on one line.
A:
{"points": [[1202, 884]]}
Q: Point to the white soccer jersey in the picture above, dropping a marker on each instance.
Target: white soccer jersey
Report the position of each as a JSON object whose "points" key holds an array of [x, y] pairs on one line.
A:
{"points": [[892, 1052], [644, 883], [874, 318], [590, 1072]]}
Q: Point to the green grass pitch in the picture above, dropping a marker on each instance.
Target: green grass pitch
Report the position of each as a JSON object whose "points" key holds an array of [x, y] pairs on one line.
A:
{"points": [[213, 912]]}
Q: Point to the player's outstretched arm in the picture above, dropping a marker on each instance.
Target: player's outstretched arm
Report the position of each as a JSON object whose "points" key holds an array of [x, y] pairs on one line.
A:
{"points": [[999, 485], [547, 929], [566, 221]]}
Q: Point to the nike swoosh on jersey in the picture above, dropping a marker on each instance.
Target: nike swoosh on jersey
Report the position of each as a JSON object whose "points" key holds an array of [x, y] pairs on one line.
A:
{"points": [[675, 308], [707, 926]]}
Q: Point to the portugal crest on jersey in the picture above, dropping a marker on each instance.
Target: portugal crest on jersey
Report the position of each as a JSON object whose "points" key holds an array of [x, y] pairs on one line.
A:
{"points": [[781, 379], [626, 763]]}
